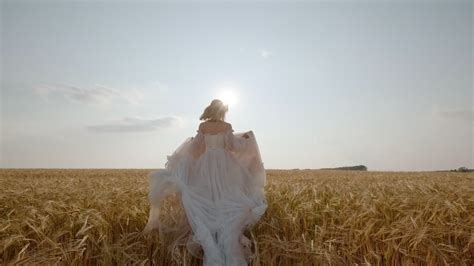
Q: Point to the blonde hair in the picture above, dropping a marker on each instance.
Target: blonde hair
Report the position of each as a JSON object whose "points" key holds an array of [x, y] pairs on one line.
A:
{"points": [[215, 111]]}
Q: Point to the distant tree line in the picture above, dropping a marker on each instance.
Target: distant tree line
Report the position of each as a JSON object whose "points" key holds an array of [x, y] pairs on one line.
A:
{"points": [[463, 169], [349, 168]]}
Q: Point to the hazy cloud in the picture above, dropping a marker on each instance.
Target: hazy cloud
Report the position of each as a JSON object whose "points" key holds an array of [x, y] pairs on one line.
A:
{"points": [[96, 95], [265, 53], [456, 113], [160, 86], [136, 124]]}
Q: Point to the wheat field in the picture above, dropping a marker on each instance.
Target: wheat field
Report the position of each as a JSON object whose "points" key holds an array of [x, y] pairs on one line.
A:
{"points": [[90, 217]]}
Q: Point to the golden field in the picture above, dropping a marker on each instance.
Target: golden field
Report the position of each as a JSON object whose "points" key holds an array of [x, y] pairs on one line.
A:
{"points": [[91, 217]]}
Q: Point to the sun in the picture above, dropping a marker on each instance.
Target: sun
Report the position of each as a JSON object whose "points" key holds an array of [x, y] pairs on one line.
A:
{"points": [[228, 96]]}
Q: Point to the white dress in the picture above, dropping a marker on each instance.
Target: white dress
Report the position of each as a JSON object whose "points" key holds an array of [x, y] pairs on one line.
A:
{"points": [[219, 180]]}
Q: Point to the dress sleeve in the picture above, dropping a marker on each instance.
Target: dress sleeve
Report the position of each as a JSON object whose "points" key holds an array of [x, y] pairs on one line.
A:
{"points": [[190, 149], [247, 152], [235, 143], [198, 146]]}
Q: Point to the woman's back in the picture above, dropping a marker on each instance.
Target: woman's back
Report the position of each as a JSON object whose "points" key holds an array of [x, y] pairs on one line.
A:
{"points": [[214, 140], [214, 127]]}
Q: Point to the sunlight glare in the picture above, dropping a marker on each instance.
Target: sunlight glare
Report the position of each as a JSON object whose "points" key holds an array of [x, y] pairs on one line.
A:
{"points": [[228, 96]]}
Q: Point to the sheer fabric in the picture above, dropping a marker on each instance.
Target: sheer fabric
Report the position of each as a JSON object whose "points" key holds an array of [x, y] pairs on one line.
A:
{"points": [[219, 183]]}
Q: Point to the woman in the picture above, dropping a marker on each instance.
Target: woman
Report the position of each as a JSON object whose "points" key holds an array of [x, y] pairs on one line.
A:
{"points": [[219, 179]]}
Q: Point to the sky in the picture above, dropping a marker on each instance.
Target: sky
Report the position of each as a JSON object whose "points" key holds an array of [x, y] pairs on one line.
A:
{"points": [[102, 84]]}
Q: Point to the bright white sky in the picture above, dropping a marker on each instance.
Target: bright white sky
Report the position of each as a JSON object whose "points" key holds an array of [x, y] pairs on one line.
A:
{"points": [[98, 84]]}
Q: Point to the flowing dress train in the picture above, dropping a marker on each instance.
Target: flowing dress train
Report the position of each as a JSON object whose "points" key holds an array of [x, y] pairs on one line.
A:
{"points": [[219, 180]]}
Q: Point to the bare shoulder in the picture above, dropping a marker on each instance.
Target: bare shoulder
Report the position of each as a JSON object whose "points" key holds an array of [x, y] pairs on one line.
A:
{"points": [[214, 127], [202, 125], [227, 125]]}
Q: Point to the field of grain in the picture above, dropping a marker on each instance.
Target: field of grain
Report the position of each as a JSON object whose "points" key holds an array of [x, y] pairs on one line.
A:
{"points": [[91, 217]]}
